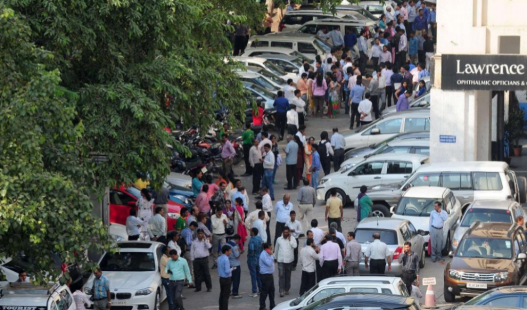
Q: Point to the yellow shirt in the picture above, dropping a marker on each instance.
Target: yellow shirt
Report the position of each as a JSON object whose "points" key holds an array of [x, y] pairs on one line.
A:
{"points": [[140, 184], [163, 264], [334, 204]]}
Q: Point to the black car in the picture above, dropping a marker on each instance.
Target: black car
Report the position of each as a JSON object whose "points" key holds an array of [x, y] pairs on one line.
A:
{"points": [[362, 300]]}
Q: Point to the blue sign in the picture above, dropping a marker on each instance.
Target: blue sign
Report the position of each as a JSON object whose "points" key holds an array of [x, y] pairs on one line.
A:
{"points": [[447, 139]]}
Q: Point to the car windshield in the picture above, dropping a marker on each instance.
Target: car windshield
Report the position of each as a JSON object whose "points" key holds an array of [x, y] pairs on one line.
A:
{"points": [[273, 77], [298, 54], [485, 216], [128, 261], [273, 68], [262, 90], [297, 61], [134, 191], [298, 300], [480, 299], [263, 83], [376, 9], [322, 45], [415, 206], [485, 248], [365, 236]]}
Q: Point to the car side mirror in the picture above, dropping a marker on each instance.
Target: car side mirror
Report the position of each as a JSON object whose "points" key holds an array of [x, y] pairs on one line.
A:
{"points": [[131, 203], [375, 131], [451, 254], [521, 256], [423, 232]]}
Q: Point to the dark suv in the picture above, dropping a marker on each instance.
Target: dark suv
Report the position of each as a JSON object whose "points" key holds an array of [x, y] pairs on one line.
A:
{"points": [[489, 255]]}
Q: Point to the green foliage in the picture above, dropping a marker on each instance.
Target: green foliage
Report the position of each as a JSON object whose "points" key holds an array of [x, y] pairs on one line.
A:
{"points": [[515, 125]]}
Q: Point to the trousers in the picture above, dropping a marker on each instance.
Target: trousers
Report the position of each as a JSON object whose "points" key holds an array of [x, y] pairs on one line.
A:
{"points": [[277, 231], [257, 177], [329, 269], [190, 263], [267, 228], [170, 298], [267, 181], [284, 274], [408, 278], [304, 212], [254, 270], [355, 115], [225, 292], [389, 95], [281, 121], [375, 106], [377, 266], [436, 237], [202, 272], [246, 148], [338, 158], [267, 290], [216, 241], [176, 287], [236, 274], [290, 173], [307, 282], [352, 268]]}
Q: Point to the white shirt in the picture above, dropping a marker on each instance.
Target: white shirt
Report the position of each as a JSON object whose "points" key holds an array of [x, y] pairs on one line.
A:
{"points": [[296, 226], [299, 103], [260, 225], [263, 143], [292, 118], [131, 225], [285, 248], [365, 107], [218, 227], [318, 234], [289, 92], [375, 51], [377, 250], [308, 259], [345, 67], [269, 160], [322, 35], [403, 43], [253, 217], [254, 156], [382, 81], [81, 299], [385, 57], [174, 246], [301, 137], [267, 203]]}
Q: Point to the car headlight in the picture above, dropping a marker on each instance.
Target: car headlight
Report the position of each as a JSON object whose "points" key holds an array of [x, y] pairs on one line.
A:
{"points": [[500, 276], [454, 274], [87, 290], [145, 291], [323, 181], [173, 216]]}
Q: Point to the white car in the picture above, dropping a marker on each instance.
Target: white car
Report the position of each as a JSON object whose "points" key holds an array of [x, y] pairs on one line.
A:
{"points": [[133, 272], [266, 64], [258, 79], [389, 126], [376, 170], [337, 285], [417, 204], [407, 146], [257, 51], [27, 296]]}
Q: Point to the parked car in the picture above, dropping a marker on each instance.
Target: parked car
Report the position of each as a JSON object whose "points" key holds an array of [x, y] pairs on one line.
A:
{"points": [[489, 255], [291, 64], [421, 102], [180, 179], [394, 232], [356, 26], [376, 170], [417, 204], [485, 211], [257, 93], [275, 79], [505, 296], [365, 150], [265, 64], [345, 284], [407, 146], [306, 44], [133, 272], [389, 126], [27, 296], [293, 20], [349, 301], [468, 180], [376, 8], [257, 51], [258, 79]]}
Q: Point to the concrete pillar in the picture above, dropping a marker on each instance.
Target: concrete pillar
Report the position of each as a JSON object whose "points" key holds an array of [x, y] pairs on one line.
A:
{"points": [[465, 115]]}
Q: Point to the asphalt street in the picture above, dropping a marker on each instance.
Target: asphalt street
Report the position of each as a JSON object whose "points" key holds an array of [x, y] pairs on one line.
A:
{"points": [[206, 300]]}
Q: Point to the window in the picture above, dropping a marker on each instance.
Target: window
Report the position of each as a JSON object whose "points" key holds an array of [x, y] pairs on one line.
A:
{"points": [[326, 293], [120, 198], [65, 300], [504, 302], [510, 178], [374, 167], [411, 206], [387, 236], [386, 291], [311, 29], [390, 126], [485, 216], [509, 44], [426, 179], [259, 43], [363, 290], [416, 124], [412, 229], [399, 167], [307, 18], [293, 20], [456, 181], [306, 48], [282, 44], [423, 150], [54, 306], [406, 233], [487, 181]]}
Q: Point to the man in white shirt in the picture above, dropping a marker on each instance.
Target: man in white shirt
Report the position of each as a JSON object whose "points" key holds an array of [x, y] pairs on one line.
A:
{"points": [[375, 54], [308, 259], [301, 134], [323, 34], [82, 301], [389, 14], [318, 234], [267, 207], [289, 90], [218, 221], [133, 223], [365, 110], [299, 104], [260, 225], [157, 226], [403, 48], [253, 217], [255, 160], [265, 140], [292, 120], [295, 228], [385, 56], [268, 166], [284, 254]]}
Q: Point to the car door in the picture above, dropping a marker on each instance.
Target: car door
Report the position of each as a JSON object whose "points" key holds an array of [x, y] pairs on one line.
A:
{"points": [[120, 205], [417, 240], [397, 171], [461, 184], [387, 129], [368, 173], [506, 302], [412, 124]]}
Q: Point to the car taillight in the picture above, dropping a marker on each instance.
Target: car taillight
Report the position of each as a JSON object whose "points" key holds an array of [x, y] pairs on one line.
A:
{"points": [[281, 27], [397, 252]]}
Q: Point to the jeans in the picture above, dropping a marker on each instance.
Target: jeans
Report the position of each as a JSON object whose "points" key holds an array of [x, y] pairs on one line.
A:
{"points": [[225, 292], [170, 297], [254, 270], [176, 287], [267, 181], [284, 272], [236, 274], [314, 179]]}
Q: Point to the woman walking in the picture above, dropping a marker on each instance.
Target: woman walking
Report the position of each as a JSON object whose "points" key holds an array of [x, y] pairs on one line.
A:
{"points": [[300, 160], [310, 79], [239, 222], [145, 206], [319, 91], [308, 157]]}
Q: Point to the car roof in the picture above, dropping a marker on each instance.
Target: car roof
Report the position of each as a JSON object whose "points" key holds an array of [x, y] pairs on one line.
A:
{"points": [[425, 192], [380, 222], [268, 48], [249, 59], [299, 36], [410, 142], [138, 246], [311, 11], [279, 56], [32, 295], [491, 230], [247, 74], [375, 299], [396, 156], [465, 166], [492, 204], [355, 22], [510, 289], [362, 279], [409, 113]]}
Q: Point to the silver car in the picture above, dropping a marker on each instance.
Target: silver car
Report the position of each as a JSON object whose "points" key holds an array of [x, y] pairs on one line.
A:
{"points": [[366, 150], [394, 232], [500, 211], [421, 102]]}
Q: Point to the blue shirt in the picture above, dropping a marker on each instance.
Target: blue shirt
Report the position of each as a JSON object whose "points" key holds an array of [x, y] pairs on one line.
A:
{"points": [[187, 235], [224, 267], [357, 92], [437, 219], [196, 186], [363, 45], [266, 263], [426, 13], [242, 196], [283, 211], [421, 91], [179, 269], [350, 39], [413, 46], [100, 287], [234, 258], [292, 153], [255, 249], [338, 141], [432, 17], [316, 161], [419, 23], [396, 78], [384, 41], [402, 103], [423, 73], [281, 104]]}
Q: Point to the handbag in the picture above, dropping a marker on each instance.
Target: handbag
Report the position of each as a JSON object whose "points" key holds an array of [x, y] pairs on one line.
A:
{"points": [[229, 229]]}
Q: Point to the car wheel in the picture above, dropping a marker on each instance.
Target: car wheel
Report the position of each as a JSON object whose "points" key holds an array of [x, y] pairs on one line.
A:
{"points": [[522, 185], [380, 211], [423, 259], [449, 296], [158, 301], [340, 194], [447, 245]]}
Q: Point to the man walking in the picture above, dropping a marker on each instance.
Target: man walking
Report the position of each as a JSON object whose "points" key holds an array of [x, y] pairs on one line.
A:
{"points": [[307, 198], [291, 158], [410, 262], [308, 260], [268, 166], [101, 291], [338, 143], [374, 91], [253, 257], [285, 246], [247, 142], [363, 50], [403, 48], [133, 223], [316, 165], [334, 209], [179, 271], [266, 264], [218, 222], [255, 161], [353, 255], [227, 154], [225, 273], [199, 256], [295, 227], [282, 210], [378, 254], [326, 152], [188, 234], [234, 260], [157, 226], [330, 258], [281, 105], [437, 220], [292, 120]]}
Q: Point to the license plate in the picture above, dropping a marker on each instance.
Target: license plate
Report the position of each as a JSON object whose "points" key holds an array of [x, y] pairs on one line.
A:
{"points": [[477, 285], [118, 303]]}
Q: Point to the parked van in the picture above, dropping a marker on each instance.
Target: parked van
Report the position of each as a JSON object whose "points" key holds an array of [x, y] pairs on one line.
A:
{"points": [[257, 51], [26, 296], [314, 26], [306, 44], [293, 20]]}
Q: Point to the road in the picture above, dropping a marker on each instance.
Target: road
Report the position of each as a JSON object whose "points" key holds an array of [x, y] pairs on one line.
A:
{"points": [[206, 300]]}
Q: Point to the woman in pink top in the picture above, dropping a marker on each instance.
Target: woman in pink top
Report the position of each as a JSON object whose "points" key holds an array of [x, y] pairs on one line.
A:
{"points": [[302, 86], [213, 188], [202, 200], [319, 93]]}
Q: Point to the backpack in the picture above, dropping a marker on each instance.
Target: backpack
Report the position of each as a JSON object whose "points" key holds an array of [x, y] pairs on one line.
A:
{"points": [[323, 152]]}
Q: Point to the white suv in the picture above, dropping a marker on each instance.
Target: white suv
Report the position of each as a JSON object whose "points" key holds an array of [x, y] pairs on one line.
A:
{"points": [[345, 284], [133, 271]]}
